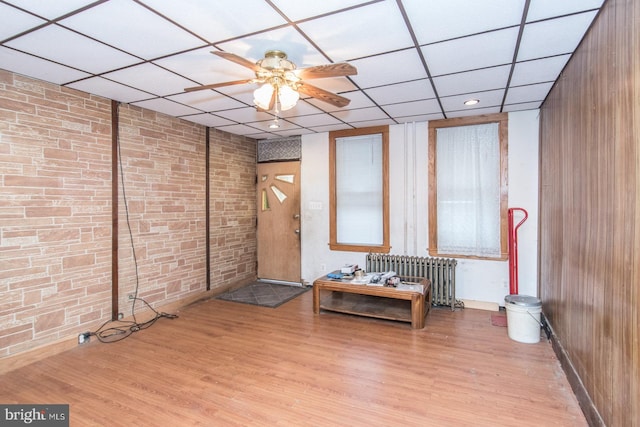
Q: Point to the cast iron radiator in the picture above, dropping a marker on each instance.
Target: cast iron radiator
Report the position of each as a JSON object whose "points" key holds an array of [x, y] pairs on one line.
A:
{"points": [[441, 272]]}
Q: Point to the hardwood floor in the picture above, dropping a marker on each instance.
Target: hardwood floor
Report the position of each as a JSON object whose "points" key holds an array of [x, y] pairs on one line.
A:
{"points": [[228, 364]]}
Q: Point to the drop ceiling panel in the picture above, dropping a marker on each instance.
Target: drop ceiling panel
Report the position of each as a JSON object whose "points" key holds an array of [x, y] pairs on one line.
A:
{"points": [[472, 81], [435, 20], [207, 100], [554, 37], [128, 26], [297, 10], [414, 108], [314, 120], [232, 18], [286, 39], [209, 120], [472, 112], [528, 93], [491, 98], [203, 67], [471, 53], [341, 37], [401, 92], [39, 68], [167, 107], [147, 52], [383, 69], [51, 9], [361, 114], [79, 52], [110, 89], [539, 70], [15, 21], [150, 78], [544, 9]]}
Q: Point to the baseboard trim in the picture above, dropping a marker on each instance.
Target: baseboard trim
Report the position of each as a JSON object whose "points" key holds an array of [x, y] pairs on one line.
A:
{"points": [[27, 357], [589, 410], [481, 305]]}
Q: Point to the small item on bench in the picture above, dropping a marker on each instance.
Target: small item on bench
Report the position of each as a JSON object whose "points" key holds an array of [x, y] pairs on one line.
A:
{"points": [[393, 281], [348, 268], [335, 275]]}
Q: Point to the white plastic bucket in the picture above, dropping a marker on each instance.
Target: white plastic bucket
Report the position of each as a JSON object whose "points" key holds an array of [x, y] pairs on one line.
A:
{"points": [[523, 318]]}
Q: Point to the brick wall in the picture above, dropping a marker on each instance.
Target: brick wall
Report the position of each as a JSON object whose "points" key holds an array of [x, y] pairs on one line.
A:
{"points": [[55, 211]]}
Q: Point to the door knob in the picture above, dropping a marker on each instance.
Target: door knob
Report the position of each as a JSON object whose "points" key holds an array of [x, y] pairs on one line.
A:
{"points": [[296, 231], [296, 216]]}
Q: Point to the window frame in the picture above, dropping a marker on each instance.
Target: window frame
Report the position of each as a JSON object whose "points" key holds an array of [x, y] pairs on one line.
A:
{"points": [[502, 119], [334, 245]]}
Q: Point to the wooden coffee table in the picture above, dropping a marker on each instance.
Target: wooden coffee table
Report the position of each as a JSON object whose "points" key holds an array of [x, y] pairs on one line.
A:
{"points": [[374, 301]]}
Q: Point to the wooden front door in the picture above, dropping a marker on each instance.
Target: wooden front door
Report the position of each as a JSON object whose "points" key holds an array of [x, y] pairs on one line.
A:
{"points": [[279, 221]]}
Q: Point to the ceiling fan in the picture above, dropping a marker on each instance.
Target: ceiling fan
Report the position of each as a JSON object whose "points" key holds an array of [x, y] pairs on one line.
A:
{"points": [[282, 83]]}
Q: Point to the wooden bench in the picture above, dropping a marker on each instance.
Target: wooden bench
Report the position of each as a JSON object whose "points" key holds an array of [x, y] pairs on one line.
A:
{"points": [[381, 302]]}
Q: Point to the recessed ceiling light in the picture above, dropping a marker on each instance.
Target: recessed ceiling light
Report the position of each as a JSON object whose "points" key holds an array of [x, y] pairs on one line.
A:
{"points": [[471, 102]]}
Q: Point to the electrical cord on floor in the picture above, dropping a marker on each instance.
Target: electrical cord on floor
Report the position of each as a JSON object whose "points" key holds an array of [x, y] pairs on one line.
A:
{"points": [[123, 329], [119, 329]]}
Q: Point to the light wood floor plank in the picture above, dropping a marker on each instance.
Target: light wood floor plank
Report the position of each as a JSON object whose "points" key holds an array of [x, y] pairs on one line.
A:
{"points": [[228, 364]]}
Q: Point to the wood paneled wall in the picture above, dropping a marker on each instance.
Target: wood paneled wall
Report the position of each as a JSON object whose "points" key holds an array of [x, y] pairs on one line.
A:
{"points": [[590, 215]]}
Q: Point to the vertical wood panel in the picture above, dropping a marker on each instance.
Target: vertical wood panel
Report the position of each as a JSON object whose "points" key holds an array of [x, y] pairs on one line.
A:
{"points": [[589, 210]]}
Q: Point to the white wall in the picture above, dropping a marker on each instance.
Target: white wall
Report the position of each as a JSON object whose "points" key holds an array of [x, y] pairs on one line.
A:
{"points": [[486, 281]]}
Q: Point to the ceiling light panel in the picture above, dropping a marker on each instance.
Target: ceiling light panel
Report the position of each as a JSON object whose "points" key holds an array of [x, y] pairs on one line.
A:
{"points": [[487, 99], [472, 112], [232, 19], [51, 9], [342, 39], [394, 67], [437, 20], [544, 9], [66, 47], [473, 52], [15, 21], [553, 37], [128, 26], [39, 68]]}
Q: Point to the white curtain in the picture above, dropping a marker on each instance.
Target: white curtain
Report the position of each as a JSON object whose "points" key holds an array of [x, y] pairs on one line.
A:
{"points": [[468, 190], [359, 201]]}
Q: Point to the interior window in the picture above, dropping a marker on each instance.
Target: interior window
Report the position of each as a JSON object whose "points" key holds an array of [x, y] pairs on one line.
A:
{"points": [[468, 187], [359, 184]]}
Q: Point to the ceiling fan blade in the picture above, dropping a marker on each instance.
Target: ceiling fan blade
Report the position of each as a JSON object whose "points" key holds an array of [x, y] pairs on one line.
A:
{"points": [[215, 85], [329, 70], [326, 96], [237, 59]]}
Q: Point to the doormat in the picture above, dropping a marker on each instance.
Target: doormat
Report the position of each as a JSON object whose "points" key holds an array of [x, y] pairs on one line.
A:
{"points": [[499, 319], [264, 294]]}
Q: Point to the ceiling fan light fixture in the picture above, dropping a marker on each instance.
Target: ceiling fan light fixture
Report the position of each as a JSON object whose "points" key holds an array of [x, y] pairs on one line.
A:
{"points": [[262, 96], [275, 124], [287, 98]]}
